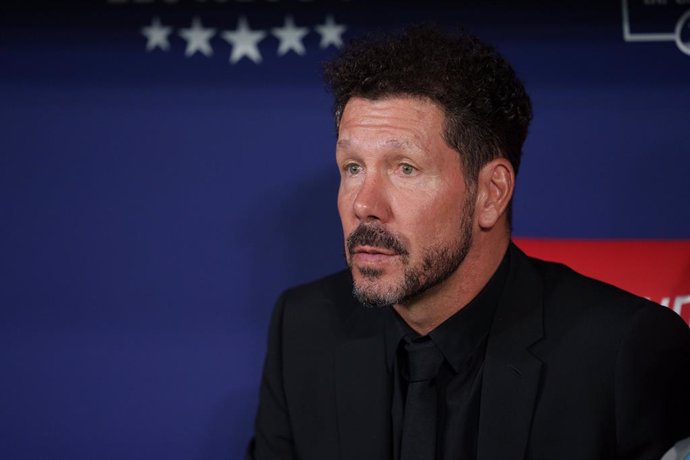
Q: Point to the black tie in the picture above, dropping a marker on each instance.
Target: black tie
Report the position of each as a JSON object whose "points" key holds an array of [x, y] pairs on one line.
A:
{"points": [[419, 420]]}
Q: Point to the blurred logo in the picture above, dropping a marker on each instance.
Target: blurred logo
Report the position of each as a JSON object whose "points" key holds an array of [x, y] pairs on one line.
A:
{"points": [[657, 21]]}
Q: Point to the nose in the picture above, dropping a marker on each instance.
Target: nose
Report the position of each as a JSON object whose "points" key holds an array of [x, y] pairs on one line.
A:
{"points": [[372, 200]]}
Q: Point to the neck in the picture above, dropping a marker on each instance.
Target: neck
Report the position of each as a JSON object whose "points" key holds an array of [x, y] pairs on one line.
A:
{"points": [[427, 311]]}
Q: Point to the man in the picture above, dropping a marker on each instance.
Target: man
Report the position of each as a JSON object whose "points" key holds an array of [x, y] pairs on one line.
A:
{"points": [[443, 340]]}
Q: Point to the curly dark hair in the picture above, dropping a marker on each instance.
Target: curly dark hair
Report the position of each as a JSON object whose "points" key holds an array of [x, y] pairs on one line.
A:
{"points": [[487, 110]]}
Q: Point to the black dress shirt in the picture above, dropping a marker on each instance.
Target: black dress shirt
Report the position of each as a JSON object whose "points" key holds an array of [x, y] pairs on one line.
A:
{"points": [[462, 341]]}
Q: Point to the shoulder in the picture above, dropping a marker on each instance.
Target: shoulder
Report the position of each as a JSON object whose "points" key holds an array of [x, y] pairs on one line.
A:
{"points": [[328, 295], [318, 309], [570, 292], [602, 347], [324, 289], [577, 303]]}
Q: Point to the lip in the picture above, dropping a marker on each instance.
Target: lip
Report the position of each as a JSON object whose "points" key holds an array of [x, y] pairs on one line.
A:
{"points": [[373, 250], [370, 255]]}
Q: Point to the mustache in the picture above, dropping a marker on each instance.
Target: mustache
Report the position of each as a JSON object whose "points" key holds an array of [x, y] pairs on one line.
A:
{"points": [[376, 236]]}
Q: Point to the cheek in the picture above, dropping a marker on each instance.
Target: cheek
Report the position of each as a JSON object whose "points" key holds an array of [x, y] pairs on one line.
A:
{"points": [[418, 219], [345, 207], [429, 217]]}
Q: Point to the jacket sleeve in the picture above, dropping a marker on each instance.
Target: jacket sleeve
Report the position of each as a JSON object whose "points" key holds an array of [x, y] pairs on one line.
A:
{"points": [[272, 432], [652, 384]]}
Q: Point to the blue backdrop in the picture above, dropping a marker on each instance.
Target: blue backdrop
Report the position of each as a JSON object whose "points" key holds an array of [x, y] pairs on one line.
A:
{"points": [[154, 202]]}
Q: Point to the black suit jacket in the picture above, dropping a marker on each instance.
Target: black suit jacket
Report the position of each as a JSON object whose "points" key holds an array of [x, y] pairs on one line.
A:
{"points": [[574, 369]]}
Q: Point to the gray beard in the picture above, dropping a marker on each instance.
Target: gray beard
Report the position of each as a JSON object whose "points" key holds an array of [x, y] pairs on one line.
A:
{"points": [[438, 264]]}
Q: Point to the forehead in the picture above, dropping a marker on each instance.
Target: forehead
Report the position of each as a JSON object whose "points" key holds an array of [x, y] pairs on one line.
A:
{"points": [[393, 119]]}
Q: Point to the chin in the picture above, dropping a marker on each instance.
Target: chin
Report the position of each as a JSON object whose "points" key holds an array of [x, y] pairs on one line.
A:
{"points": [[375, 291]]}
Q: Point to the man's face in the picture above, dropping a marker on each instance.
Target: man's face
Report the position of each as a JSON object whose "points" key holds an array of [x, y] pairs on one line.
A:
{"points": [[406, 211]]}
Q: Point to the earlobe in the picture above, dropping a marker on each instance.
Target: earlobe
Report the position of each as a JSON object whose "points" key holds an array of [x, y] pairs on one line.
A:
{"points": [[496, 182]]}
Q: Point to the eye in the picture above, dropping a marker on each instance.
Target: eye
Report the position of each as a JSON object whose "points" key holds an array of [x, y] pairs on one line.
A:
{"points": [[353, 169], [407, 169]]}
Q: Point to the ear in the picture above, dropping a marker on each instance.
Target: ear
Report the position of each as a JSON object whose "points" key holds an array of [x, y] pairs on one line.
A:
{"points": [[495, 186]]}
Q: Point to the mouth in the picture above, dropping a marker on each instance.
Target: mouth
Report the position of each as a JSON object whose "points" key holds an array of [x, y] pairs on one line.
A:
{"points": [[371, 246], [373, 250], [372, 255]]}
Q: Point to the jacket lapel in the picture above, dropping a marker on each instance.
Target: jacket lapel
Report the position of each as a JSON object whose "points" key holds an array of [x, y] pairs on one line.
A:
{"points": [[363, 388], [511, 373]]}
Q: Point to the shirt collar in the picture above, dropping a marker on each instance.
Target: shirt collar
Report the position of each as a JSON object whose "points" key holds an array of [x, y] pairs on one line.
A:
{"points": [[461, 335]]}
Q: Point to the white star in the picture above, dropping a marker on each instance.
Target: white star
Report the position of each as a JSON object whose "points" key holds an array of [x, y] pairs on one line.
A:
{"points": [[331, 33], [198, 39], [290, 37], [156, 35], [244, 41]]}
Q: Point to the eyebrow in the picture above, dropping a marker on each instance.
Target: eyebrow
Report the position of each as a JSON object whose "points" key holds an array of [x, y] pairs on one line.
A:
{"points": [[392, 143], [343, 143], [398, 144]]}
